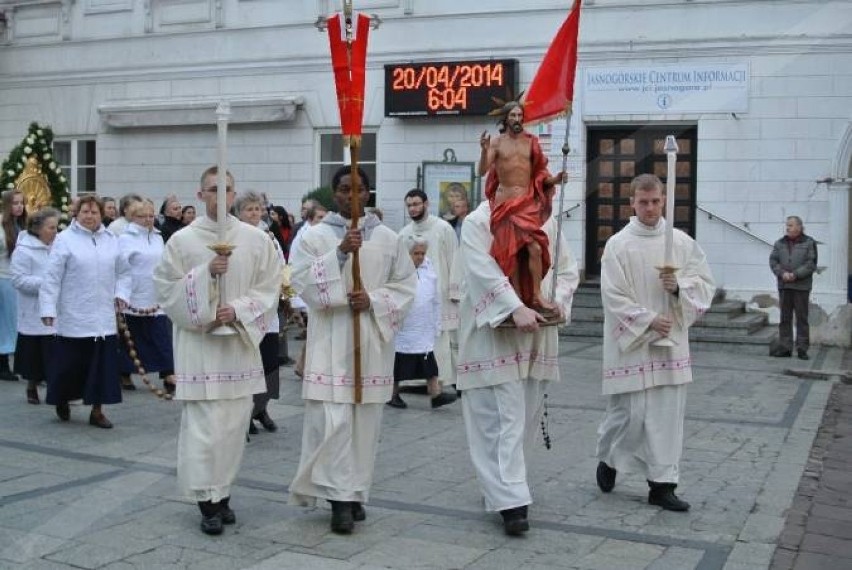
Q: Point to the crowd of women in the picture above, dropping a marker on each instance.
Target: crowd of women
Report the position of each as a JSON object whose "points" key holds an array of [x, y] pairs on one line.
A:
{"points": [[78, 309]]}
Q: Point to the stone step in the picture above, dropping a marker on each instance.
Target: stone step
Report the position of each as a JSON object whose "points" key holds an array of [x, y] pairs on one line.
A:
{"points": [[742, 340], [727, 306], [750, 322]]}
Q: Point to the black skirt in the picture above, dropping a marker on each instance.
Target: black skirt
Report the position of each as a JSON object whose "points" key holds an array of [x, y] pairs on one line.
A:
{"points": [[31, 356], [152, 338], [414, 366], [84, 368]]}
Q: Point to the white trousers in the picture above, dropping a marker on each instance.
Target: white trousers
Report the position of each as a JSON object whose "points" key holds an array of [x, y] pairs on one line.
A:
{"points": [[643, 432], [500, 420], [339, 444], [210, 446]]}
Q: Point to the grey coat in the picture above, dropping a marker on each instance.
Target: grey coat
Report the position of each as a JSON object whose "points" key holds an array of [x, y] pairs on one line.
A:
{"points": [[800, 259]]}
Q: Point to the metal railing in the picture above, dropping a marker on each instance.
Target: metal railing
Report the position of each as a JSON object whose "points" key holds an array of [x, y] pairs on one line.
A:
{"points": [[751, 234]]}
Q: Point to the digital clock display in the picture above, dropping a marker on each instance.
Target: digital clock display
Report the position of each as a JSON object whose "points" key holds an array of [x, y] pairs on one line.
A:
{"points": [[448, 87]]}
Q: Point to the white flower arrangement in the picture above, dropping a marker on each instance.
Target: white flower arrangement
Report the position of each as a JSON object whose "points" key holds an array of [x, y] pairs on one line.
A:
{"points": [[47, 156], [28, 150], [63, 179], [10, 185], [64, 199], [40, 132], [30, 139], [10, 172], [52, 166]]}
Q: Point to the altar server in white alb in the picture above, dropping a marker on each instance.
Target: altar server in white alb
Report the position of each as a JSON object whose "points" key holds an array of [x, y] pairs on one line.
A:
{"points": [[504, 371], [443, 245], [215, 375], [340, 438], [642, 430]]}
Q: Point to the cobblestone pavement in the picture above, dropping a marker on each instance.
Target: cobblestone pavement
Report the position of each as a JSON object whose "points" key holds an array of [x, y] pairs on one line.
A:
{"points": [[818, 532], [73, 496]]}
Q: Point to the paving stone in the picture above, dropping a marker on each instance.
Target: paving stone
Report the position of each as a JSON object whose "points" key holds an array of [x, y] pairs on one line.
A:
{"points": [[110, 500]]}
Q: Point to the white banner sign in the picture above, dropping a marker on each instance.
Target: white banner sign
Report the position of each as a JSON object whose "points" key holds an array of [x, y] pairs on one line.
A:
{"points": [[656, 89]]}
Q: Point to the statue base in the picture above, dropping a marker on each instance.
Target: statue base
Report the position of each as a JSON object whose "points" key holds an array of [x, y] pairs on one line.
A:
{"points": [[552, 318]]}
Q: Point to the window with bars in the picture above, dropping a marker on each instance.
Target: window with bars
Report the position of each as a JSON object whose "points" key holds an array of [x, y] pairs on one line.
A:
{"points": [[333, 156], [77, 159]]}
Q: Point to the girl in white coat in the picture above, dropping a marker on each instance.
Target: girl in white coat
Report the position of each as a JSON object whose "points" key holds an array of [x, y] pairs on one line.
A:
{"points": [[29, 263]]}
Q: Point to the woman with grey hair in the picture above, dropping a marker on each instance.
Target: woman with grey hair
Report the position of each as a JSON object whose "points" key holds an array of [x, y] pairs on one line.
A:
{"points": [[415, 341], [249, 207], [28, 265]]}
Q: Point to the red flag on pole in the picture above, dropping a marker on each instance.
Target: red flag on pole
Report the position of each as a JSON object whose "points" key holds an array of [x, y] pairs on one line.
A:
{"points": [[349, 61], [552, 90]]}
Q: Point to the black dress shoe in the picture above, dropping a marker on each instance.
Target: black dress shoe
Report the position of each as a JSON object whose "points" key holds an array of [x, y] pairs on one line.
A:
{"points": [[252, 428], [98, 419], [342, 521], [803, 355], [397, 402], [8, 375], [443, 399], [358, 512], [266, 421], [605, 476], [783, 354], [228, 515], [211, 517], [212, 525], [63, 410], [663, 495], [515, 521]]}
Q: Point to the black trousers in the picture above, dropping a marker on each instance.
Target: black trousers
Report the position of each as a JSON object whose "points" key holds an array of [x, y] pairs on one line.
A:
{"points": [[794, 301]]}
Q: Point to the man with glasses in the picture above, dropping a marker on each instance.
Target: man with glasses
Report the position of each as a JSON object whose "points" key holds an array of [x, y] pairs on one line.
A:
{"points": [[216, 375]]}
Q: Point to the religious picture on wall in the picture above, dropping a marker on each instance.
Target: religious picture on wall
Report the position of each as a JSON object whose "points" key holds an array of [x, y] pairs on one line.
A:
{"points": [[450, 186], [452, 192]]}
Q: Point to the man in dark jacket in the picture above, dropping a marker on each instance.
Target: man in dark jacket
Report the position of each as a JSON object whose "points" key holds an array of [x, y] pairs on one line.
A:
{"points": [[793, 261]]}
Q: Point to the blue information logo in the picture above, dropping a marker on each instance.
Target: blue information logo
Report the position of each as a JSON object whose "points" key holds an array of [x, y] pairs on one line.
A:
{"points": [[664, 101]]}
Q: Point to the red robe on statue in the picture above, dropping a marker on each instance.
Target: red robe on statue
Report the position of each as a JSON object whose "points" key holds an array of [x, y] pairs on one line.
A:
{"points": [[517, 222]]}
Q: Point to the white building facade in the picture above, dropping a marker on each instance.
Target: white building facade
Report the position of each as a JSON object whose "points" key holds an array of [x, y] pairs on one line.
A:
{"points": [[759, 94]]}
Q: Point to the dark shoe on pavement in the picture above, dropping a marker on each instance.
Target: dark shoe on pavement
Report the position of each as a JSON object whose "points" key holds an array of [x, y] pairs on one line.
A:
{"points": [[211, 517], [803, 354], [443, 399], [252, 428], [285, 361], [63, 410], [8, 375], [127, 383], [266, 421], [32, 396], [228, 515], [663, 495], [169, 388], [98, 419], [515, 521], [606, 477], [358, 512], [397, 402], [342, 521], [783, 354]]}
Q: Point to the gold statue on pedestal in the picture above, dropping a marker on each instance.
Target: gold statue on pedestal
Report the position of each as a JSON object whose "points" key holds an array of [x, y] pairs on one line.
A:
{"points": [[33, 184]]}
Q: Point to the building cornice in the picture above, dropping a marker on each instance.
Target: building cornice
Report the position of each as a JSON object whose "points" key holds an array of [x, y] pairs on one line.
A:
{"points": [[197, 111]]}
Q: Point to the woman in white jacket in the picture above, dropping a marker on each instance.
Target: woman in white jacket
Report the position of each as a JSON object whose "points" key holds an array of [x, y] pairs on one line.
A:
{"points": [[29, 263], [85, 283], [142, 249]]}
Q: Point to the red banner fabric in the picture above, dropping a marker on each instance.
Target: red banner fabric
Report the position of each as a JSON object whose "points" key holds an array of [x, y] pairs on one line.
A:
{"points": [[349, 61], [552, 89]]}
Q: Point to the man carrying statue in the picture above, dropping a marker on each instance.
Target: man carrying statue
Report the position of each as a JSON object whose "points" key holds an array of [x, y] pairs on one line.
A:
{"points": [[508, 255], [520, 190]]}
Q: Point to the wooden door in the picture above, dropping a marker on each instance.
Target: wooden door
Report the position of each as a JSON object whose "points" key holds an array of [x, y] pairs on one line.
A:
{"points": [[614, 157]]}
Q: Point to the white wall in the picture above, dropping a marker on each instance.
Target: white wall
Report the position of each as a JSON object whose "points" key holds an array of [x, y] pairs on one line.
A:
{"points": [[753, 169]]}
